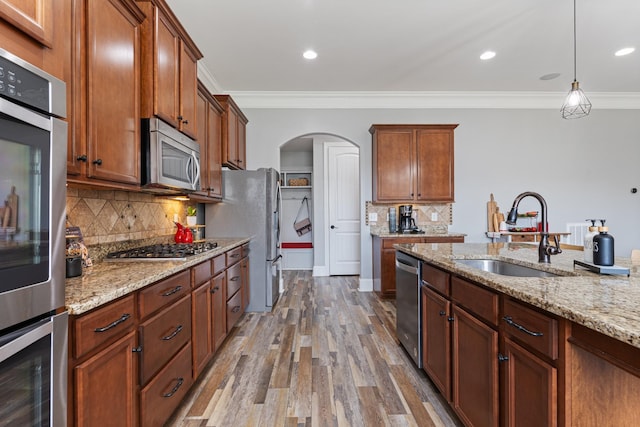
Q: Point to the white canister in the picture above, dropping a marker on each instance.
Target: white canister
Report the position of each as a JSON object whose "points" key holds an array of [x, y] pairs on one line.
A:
{"points": [[588, 243]]}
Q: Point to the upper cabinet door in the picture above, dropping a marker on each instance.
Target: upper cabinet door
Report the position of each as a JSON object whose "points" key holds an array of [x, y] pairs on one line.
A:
{"points": [[33, 17], [393, 157], [166, 58], [434, 154], [113, 65], [188, 91]]}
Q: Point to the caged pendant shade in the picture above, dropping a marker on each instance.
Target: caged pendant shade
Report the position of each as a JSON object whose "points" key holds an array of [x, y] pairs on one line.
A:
{"points": [[576, 104]]}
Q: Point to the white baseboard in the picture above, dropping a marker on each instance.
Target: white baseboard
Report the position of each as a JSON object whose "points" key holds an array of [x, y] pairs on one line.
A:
{"points": [[366, 285], [320, 271]]}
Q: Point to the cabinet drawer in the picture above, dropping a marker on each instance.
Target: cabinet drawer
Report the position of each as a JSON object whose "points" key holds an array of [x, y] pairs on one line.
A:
{"points": [[103, 324], [234, 310], [219, 263], [164, 393], [480, 301], [435, 278], [164, 292], [162, 336], [201, 273], [531, 327], [234, 279], [234, 255]]}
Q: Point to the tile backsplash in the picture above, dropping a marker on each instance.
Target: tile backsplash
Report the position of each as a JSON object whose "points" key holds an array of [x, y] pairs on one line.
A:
{"points": [[111, 216], [423, 214]]}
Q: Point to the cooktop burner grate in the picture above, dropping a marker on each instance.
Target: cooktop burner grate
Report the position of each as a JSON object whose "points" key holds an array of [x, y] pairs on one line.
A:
{"points": [[162, 252]]}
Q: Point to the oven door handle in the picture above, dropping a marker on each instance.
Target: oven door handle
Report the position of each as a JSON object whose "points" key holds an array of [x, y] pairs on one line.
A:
{"points": [[24, 338]]}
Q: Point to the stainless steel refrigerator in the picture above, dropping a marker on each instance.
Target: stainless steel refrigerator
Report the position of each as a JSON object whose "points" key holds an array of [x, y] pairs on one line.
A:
{"points": [[250, 207]]}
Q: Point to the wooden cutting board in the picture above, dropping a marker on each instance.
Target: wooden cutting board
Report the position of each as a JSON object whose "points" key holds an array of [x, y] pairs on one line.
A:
{"points": [[492, 208]]}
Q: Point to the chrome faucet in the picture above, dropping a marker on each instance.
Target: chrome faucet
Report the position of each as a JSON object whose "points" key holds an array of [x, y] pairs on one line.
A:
{"points": [[545, 250]]}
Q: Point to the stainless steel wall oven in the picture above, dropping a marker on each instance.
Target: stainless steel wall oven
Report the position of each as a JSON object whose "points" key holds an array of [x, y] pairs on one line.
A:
{"points": [[33, 324]]}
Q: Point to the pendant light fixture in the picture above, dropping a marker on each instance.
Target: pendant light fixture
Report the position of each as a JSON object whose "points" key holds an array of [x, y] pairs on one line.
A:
{"points": [[576, 104]]}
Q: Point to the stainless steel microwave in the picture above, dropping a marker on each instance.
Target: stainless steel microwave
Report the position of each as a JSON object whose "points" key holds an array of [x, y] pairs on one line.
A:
{"points": [[170, 159]]}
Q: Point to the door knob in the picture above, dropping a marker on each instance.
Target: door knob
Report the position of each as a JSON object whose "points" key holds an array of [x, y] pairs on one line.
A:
{"points": [[333, 226]]}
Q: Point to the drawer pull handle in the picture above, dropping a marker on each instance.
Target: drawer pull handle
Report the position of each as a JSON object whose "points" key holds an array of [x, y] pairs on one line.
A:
{"points": [[234, 255], [175, 389], [115, 323], [510, 321], [173, 334], [172, 291], [235, 309], [234, 278], [215, 289]]}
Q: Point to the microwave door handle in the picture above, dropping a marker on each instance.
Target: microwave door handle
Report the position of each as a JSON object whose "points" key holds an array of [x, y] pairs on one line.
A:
{"points": [[196, 165]]}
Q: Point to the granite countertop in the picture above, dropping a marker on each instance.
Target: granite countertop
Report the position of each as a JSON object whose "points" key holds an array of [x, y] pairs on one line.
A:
{"points": [[425, 234], [107, 281], [609, 304]]}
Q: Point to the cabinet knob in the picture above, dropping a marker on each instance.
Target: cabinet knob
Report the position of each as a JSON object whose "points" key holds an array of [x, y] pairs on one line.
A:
{"points": [[442, 313], [180, 118], [97, 162], [186, 122], [502, 358], [450, 319], [82, 158]]}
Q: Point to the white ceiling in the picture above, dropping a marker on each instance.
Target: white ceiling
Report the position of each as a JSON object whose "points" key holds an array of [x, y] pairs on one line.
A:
{"points": [[414, 45]]}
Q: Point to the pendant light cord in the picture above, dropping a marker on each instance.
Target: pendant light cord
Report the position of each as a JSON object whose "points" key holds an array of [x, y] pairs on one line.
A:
{"points": [[574, 43]]}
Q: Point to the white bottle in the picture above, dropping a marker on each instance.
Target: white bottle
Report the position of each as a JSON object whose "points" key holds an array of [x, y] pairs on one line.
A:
{"points": [[588, 241]]}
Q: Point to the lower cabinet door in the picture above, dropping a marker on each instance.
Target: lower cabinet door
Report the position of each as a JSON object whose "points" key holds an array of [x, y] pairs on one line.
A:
{"points": [[105, 386], [475, 370], [166, 390], [436, 340], [201, 337], [530, 388], [218, 310]]}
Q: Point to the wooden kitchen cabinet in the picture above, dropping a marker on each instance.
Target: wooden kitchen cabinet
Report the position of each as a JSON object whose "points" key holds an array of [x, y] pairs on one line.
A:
{"points": [[246, 288], [104, 145], [104, 386], [218, 309], [234, 285], [384, 260], [103, 367], [234, 124], [413, 163], [436, 340], [209, 136], [201, 336], [475, 370], [170, 81]]}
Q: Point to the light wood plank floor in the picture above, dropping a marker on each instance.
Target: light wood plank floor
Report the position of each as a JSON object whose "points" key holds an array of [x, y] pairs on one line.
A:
{"points": [[326, 356]]}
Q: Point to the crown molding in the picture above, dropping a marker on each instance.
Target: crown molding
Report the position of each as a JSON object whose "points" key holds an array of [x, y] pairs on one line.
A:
{"points": [[207, 79], [420, 100]]}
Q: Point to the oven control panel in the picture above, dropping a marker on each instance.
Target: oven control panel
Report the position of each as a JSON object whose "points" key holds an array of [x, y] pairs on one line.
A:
{"points": [[21, 85]]}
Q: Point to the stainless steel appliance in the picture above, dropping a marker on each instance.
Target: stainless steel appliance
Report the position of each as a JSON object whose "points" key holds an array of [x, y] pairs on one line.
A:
{"points": [[408, 305], [170, 159], [251, 208], [33, 151], [162, 252]]}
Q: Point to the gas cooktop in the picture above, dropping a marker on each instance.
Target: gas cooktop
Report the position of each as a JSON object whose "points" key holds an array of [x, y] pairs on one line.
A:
{"points": [[162, 252]]}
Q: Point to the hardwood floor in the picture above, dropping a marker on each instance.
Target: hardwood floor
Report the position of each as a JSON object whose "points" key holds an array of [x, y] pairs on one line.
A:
{"points": [[326, 356]]}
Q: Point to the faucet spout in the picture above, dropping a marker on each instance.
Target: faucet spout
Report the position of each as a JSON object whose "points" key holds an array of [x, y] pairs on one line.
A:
{"points": [[545, 250]]}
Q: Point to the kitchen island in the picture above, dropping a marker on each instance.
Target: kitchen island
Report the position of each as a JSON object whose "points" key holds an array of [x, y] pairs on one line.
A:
{"points": [[506, 350]]}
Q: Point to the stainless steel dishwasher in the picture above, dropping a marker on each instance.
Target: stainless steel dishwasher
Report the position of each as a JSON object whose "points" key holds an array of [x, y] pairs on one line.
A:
{"points": [[408, 302]]}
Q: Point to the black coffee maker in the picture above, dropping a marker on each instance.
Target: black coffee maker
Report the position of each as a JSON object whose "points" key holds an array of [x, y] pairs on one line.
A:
{"points": [[407, 223]]}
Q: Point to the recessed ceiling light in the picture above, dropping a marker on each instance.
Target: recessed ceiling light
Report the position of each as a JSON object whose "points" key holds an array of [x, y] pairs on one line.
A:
{"points": [[487, 55], [625, 51], [310, 54], [550, 76]]}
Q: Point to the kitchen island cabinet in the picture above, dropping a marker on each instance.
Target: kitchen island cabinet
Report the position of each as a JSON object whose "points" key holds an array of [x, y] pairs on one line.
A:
{"points": [[563, 359], [234, 124], [413, 163], [170, 80], [104, 146]]}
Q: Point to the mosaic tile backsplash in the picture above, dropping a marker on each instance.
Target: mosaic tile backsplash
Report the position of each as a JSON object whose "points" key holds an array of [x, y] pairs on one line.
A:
{"points": [[109, 216], [422, 216]]}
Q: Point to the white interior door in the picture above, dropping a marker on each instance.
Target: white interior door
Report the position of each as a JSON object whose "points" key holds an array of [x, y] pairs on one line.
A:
{"points": [[343, 173]]}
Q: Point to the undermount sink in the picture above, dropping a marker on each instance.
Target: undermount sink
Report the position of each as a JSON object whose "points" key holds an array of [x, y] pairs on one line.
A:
{"points": [[505, 268]]}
